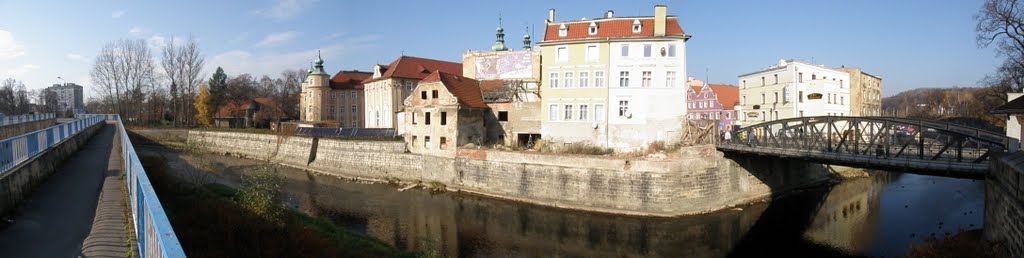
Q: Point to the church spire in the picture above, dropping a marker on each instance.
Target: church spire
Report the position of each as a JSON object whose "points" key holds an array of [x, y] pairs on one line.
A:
{"points": [[318, 67], [499, 43], [526, 40]]}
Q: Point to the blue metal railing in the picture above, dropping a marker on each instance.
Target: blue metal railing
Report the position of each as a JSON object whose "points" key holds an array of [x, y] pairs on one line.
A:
{"points": [[10, 120], [153, 233], [18, 149]]}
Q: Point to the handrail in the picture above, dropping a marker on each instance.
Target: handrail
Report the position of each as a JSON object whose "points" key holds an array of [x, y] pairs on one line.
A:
{"points": [[10, 120], [18, 149], [153, 233]]}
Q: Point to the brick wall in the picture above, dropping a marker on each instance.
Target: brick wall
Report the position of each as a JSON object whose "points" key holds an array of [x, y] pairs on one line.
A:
{"points": [[705, 180], [1004, 203]]}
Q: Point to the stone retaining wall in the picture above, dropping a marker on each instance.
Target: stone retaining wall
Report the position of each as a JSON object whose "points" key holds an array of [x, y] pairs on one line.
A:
{"points": [[703, 181], [1004, 203]]}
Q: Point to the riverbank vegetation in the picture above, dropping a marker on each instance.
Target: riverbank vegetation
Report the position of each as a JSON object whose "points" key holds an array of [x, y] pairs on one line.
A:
{"points": [[215, 220]]}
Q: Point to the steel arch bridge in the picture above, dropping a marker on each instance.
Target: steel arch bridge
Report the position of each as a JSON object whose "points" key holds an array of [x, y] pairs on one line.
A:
{"points": [[911, 145]]}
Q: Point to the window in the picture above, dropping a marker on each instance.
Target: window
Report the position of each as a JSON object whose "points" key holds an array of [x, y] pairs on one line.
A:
{"points": [[801, 113], [444, 143], [800, 76], [842, 100], [623, 108], [670, 79], [625, 50], [553, 80], [377, 121], [762, 98], [829, 98], [598, 112], [636, 25], [413, 117], [584, 79], [563, 30], [671, 50], [408, 86], [423, 94], [426, 142], [814, 77], [599, 79], [645, 79], [584, 108], [801, 96], [776, 78], [592, 53], [762, 80], [553, 112], [354, 96], [426, 118], [562, 54], [744, 102], [444, 118], [502, 116], [840, 84], [647, 50], [433, 94], [568, 112], [623, 79], [776, 97], [568, 80], [744, 84], [355, 109], [414, 140], [592, 30]]}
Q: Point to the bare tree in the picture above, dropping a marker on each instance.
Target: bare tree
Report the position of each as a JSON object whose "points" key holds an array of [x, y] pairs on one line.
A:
{"points": [[122, 71], [288, 93], [183, 66], [1001, 22]]}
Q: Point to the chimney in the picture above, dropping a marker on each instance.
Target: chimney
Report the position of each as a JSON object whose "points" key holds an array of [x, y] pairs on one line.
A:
{"points": [[551, 15], [659, 19], [609, 14]]}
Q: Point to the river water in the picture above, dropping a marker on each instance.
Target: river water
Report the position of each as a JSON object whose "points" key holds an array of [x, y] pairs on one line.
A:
{"points": [[881, 215]]}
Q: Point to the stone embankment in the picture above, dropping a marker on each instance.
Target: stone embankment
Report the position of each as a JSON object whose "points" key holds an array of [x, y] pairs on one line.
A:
{"points": [[703, 180]]}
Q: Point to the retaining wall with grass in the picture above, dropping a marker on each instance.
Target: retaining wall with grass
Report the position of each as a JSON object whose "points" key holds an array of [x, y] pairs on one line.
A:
{"points": [[701, 180]]}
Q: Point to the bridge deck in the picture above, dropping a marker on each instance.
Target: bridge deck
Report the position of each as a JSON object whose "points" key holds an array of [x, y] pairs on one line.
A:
{"points": [[79, 206]]}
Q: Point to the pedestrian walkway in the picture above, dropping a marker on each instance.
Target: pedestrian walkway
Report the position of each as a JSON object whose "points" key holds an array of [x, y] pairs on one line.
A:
{"points": [[59, 215]]}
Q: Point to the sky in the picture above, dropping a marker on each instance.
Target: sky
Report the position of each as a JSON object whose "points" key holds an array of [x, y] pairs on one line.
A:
{"points": [[909, 44]]}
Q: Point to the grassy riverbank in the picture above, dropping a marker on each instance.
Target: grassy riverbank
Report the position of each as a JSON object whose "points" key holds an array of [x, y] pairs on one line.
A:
{"points": [[219, 221]]}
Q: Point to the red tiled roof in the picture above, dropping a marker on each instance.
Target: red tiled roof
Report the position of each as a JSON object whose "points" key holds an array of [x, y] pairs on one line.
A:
{"points": [[696, 89], [417, 68], [349, 80], [610, 28], [465, 89], [237, 108], [490, 85], [728, 95]]}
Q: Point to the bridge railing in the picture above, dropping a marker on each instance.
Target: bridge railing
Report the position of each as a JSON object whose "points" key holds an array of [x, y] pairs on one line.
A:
{"points": [[18, 149], [153, 233], [10, 120]]}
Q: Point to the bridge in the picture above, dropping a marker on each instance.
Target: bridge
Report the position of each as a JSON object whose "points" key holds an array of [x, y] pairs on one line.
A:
{"points": [[77, 189], [901, 144]]}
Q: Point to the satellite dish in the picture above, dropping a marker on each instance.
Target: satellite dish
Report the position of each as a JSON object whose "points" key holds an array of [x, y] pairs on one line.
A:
{"points": [[629, 114], [594, 125]]}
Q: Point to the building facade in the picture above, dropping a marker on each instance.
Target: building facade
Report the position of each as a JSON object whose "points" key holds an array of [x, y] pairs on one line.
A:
{"points": [[391, 84], [446, 112], [315, 93], [69, 98], [345, 101], [865, 92], [611, 81], [712, 102], [791, 89]]}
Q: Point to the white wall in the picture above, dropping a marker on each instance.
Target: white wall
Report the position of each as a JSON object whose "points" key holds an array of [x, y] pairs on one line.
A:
{"points": [[833, 85]]}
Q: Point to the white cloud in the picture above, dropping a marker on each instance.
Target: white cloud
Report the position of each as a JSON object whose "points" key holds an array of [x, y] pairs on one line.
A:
{"points": [[20, 70], [117, 14], [9, 49], [241, 37], [137, 30], [158, 41], [285, 9], [271, 64], [76, 57], [277, 38]]}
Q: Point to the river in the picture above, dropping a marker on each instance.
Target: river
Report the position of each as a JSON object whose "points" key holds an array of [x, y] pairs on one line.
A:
{"points": [[880, 215]]}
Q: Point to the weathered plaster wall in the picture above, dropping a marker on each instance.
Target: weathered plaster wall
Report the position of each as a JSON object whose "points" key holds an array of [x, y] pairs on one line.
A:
{"points": [[705, 180]]}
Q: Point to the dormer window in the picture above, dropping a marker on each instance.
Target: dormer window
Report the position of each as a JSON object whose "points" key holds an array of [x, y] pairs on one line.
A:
{"points": [[593, 28], [563, 30], [636, 25]]}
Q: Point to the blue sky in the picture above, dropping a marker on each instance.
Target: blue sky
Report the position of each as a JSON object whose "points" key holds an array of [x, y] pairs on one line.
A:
{"points": [[910, 44]]}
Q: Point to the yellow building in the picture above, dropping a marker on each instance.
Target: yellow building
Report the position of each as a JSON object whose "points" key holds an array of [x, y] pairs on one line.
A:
{"points": [[332, 101], [617, 82], [865, 93]]}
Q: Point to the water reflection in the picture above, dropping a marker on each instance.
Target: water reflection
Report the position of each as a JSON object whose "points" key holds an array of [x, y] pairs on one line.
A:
{"points": [[872, 216]]}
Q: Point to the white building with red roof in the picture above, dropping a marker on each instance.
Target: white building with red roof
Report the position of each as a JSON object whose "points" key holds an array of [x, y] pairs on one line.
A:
{"points": [[614, 81]]}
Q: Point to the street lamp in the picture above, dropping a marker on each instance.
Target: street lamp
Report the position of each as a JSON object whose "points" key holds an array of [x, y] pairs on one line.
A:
{"points": [[62, 79]]}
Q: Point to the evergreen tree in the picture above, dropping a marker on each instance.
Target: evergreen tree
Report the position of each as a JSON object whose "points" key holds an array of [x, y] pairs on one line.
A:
{"points": [[218, 87], [202, 105]]}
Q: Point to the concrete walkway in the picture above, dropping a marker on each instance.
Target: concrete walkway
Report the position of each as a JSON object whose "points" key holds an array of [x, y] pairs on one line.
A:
{"points": [[59, 214]]}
